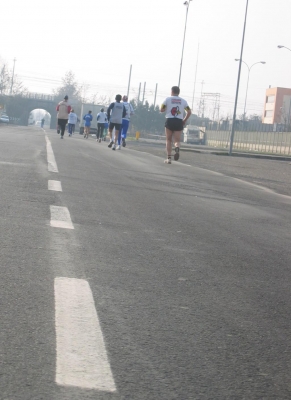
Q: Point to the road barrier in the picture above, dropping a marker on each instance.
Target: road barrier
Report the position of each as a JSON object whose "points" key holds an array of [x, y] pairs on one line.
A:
{"points": [[262, 142]]}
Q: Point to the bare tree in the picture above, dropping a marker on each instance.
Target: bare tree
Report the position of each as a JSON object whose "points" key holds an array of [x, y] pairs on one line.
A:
{"points": [[69, 87], [6, 81]]}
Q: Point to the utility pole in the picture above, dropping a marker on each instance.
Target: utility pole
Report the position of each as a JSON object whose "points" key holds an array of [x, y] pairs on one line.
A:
{"points": [[155, 95], [144, 86], [129, 81], [139, 89], [12, 76], [200, 103], [195, 79]]}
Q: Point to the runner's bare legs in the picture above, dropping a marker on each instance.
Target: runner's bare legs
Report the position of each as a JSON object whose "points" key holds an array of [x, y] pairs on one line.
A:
{"points": [[172, 136], [177, 138], [110, 135], [116, 136], [169, 135]]}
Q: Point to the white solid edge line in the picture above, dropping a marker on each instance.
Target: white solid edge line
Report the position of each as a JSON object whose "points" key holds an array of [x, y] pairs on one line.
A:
{"points": [[52, 165], [81, 354], [55, 185], [60, 218]]}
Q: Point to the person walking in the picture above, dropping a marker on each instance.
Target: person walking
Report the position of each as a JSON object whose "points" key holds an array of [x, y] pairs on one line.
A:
{"points": [[116, 111], [101, 120], [174, 107], [63, 109], [42, 122], [125, 122], [88, 119], [72, 120]]}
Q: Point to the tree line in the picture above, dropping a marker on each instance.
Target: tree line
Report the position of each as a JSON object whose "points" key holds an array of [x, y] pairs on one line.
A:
{"points": [[147, 117]]}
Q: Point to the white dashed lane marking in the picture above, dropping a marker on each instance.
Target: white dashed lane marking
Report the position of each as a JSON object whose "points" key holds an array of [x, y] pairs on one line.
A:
{"points": [[52, 165], [60, 218], [55, 185], [81, 354]]}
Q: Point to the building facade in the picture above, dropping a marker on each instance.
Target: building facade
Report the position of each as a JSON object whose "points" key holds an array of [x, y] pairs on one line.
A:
{"points": [[277, 106]]}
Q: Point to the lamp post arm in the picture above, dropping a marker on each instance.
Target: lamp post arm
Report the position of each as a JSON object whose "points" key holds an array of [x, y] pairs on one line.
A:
{"points": [[246, 64], [249, 68], [284, 47], [259, 62]]}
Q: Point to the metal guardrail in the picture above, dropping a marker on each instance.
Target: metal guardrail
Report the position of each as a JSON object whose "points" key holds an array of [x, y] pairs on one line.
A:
{"points": [[245, 141], [38, 96], [263, 142]]}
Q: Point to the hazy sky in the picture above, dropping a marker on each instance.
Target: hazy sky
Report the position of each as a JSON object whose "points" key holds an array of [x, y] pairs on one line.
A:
{"points": [[98, 40]]}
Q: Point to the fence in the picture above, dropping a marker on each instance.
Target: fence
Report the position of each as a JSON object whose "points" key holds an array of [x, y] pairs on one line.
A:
{"points": [[262, 142]]}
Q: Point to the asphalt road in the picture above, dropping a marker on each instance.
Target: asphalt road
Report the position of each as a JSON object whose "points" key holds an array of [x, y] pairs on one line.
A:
{"points": [[268, 173], [188, 266]]}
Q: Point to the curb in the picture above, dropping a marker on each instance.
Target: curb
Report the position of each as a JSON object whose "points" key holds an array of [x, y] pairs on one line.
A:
{"points": [[225, 153], [236, 154]]}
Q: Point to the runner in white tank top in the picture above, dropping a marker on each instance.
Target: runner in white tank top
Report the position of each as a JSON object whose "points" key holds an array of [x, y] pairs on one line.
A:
{"points": [[174, 107]]}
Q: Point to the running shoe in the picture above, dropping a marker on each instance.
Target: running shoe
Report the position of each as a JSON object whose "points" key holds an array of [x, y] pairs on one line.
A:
{"points": [[113, 147], [110, 144], [123, 142], [118, 147], [177, 154], [168, 161]]}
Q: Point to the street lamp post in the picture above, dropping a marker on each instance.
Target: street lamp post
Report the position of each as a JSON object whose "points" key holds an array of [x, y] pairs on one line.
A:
{"points": [[249, 70], [187, 4], [238, 80]]}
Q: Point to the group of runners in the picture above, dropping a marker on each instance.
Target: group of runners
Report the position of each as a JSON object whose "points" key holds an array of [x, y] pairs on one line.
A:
{"points": [[118, 116]]}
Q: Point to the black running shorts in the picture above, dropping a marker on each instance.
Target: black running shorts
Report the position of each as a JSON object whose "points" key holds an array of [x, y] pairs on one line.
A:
{"points": [[174, 124], [114, 125]]}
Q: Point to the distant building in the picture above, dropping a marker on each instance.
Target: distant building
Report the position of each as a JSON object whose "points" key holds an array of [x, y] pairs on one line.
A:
{"points": [[277, 106]]}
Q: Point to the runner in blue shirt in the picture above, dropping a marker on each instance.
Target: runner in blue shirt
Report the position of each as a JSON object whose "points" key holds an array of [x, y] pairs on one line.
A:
{"points": [[87, 118]]}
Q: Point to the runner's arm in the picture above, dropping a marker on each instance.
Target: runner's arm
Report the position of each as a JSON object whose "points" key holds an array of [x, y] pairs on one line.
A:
{"points": [[188, 113], [109, 110], [163, 107]]}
